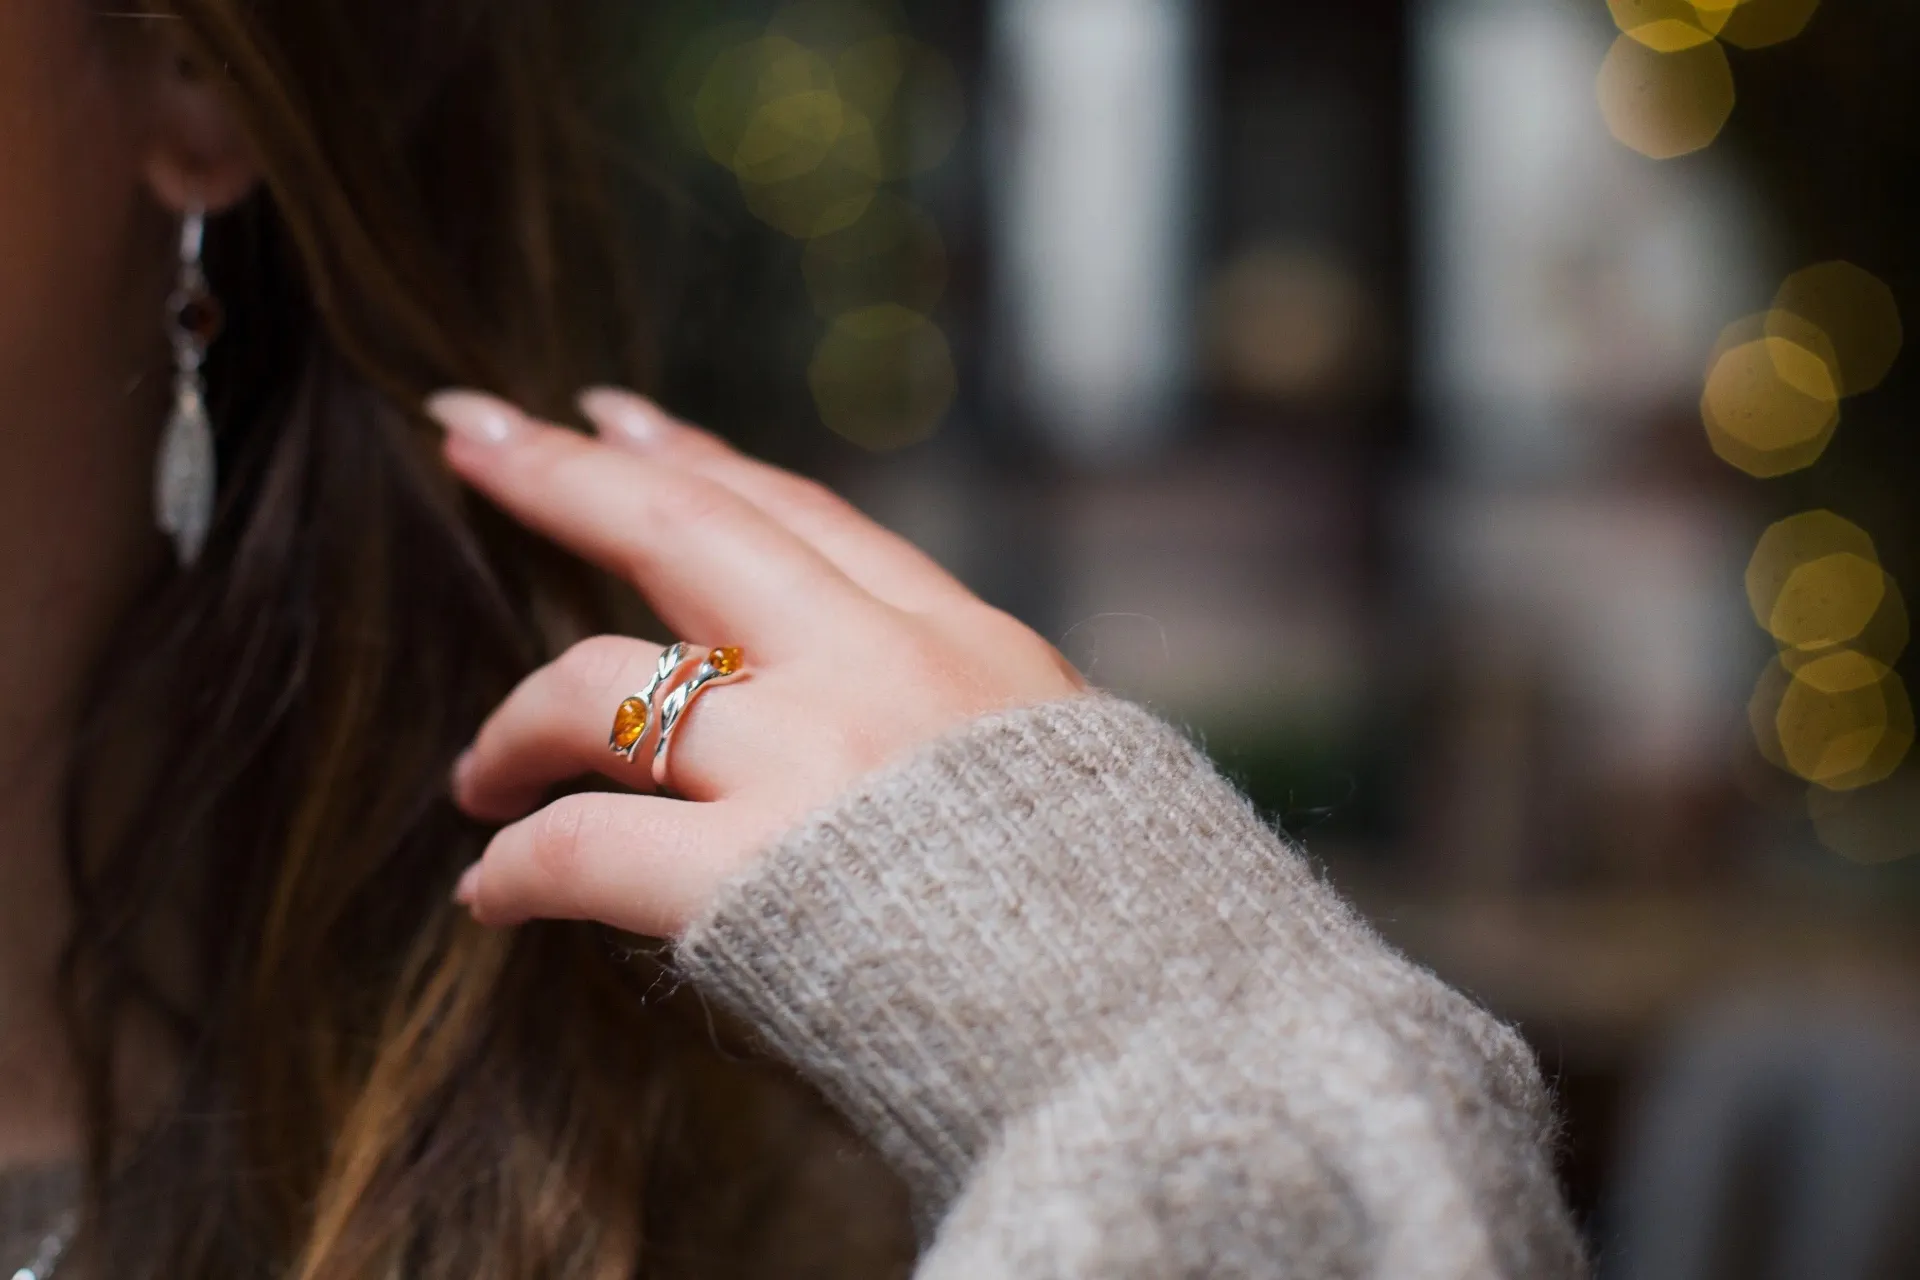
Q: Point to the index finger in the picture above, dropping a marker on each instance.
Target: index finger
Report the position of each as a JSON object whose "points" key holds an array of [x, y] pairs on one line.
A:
{"points": [[713, 566]]}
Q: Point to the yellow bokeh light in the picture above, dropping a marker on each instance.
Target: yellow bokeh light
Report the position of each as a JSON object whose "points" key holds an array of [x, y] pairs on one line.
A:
{"points": [[1771, 395], [1754, 24], [829, 197], [883, 377], [1885, 636], [1667, 26], [1773, 400], [1870, 825], [1775, 323], [789, 137], [893, 253], [1828, 601], [1882, 637], [1844, 721], [814, 114], [1665, 104], [1791, 544], [1815, 583], [743, 80], [1856, 311]]}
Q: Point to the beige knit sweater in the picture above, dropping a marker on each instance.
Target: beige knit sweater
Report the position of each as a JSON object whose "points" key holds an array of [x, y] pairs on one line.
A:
{"points": [[1107, 1024]]}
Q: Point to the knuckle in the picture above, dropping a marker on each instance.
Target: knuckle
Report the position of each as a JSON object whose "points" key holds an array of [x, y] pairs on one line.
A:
{"points": [[692, 502]]}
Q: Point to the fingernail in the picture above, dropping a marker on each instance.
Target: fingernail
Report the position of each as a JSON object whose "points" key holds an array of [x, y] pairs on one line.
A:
{"points": [[467, 892], [632, 419], [458, 775], [470, 415]]}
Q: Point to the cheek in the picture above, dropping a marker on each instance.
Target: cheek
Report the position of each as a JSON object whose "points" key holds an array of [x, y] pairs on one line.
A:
{"points": [[69, 181]]}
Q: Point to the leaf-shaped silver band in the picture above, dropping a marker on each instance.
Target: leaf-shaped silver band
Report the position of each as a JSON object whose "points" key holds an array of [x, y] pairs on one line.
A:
{"points": [[671, 661]]}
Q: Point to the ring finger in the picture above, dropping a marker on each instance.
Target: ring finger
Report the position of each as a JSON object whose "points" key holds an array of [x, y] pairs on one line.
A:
{"points": [[554, 727]]}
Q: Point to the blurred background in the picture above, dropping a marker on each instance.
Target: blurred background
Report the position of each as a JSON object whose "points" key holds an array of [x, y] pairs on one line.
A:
{"points": [[1484, 422]]}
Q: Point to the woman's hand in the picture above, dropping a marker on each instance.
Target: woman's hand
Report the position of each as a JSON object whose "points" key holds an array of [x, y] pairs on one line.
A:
{"points": [[857, 649]]}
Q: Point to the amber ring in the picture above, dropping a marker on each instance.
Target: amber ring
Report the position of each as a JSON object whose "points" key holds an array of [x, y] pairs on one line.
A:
{"points": [[634, 715], [720, 666]]}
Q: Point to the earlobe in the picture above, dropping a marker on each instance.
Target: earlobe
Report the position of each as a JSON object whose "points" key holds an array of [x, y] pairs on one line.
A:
{"points": [[198, 155]]}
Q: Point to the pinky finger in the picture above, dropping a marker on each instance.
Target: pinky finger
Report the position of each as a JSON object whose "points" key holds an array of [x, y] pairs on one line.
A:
{"points": [[638, 863]]}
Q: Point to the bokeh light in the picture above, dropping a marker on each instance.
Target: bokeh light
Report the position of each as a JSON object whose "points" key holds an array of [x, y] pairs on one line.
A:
{"points": [[744, 80], [831, 196], [1667, 26], [789, 136], [815, 113], [883, 377], [1841, 721], [1665, 104], [1827, 601], [1755, 24], [1855, 310], [1884, 637], [1844, 721], [1770, 405], [1830, 709], [1870, 825], [1289, 322], [1799, 576], [892, 253], [1776, 323], [768, 109]]}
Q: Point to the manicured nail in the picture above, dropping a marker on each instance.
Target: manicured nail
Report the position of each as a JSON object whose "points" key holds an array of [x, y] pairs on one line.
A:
{"points": [[472, 416], [631, 419], [458, 775], [467, 892]]}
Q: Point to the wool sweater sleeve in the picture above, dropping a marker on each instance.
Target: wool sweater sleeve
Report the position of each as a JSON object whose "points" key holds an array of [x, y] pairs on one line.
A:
{"points": [[1106, 1023]]}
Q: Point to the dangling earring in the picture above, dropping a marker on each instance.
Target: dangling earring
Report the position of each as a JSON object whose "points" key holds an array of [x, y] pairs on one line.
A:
{"points": [[184, 483]]}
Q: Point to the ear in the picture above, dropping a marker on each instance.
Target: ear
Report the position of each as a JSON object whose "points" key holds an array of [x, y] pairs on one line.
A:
{"points": [[196, 153]]}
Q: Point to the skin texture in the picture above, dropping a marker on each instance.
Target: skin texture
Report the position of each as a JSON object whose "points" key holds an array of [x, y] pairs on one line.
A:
{"points": [[859, 649], [105, 135]]}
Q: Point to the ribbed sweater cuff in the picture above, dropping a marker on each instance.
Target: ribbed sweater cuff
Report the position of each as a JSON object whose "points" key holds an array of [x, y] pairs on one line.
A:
{"points": [[953, 938]]}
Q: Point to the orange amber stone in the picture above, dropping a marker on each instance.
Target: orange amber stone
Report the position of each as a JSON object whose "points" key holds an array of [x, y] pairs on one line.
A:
{"points": [[629, 724], [725, 661]]}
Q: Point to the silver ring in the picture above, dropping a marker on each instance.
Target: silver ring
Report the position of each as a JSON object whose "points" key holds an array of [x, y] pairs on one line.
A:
{"points": [[720, 667], [634, 715]]}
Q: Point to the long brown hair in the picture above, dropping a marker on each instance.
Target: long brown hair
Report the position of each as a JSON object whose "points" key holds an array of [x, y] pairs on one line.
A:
{"points": [[261, 846]]}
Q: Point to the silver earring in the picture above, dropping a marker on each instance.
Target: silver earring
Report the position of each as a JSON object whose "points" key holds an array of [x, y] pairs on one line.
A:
{"points": [[184, 482]]}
